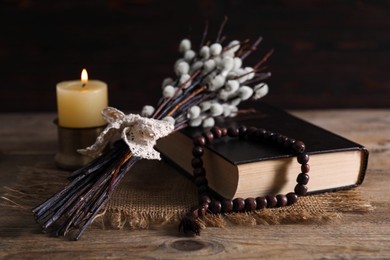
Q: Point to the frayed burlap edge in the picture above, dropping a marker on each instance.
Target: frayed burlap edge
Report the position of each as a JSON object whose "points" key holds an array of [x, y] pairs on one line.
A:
{"points": [[144, 206], [320, 208]]}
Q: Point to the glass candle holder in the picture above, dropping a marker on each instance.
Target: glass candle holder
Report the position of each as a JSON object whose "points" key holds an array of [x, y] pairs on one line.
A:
{"points": [[72, 139]]}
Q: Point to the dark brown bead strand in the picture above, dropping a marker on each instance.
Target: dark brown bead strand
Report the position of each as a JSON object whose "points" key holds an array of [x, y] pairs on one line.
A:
{"points": [[201, 180], [268, 136], [250, 204], [289, 143], [282, 140], [303, 158], [197, 151], [208, 203], [291, 198], [275, 138], [261, 202], [194, 212], [260, 134], [227, 205], [298, 147], [199, 140], [223, 132], [300, 189], [303, 178], [232, 132], [242, 131], [305, 168], [204, 199], [238, 204], [271, 201], [281, 200], [208, 136], [216, 132], [202, 189], [199, 172], [203, 209], [215, 206], [251, 132], [196, 162]]}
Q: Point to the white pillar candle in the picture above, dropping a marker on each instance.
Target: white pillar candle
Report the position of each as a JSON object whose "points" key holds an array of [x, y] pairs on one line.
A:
{"points": [[80, 102]]}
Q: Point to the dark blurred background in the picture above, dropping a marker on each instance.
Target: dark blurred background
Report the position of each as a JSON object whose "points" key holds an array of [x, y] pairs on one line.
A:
{"points": [[328, 54]]}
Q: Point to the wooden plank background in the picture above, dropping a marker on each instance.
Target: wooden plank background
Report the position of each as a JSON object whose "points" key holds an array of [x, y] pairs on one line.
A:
{"points": [[329, 54]]}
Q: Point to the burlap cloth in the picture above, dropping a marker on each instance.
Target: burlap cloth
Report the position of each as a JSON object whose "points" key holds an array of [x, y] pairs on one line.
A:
{"points": [[156, 193]]}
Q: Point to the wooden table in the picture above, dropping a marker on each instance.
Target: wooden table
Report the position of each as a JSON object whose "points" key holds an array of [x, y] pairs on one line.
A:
{"points": [[30, 139]]}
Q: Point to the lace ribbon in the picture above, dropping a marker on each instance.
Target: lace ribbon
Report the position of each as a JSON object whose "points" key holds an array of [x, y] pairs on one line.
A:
{"points": [[139, 133]]}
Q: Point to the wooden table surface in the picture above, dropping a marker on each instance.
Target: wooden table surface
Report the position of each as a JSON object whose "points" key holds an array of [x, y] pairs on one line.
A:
{"points": [[30, 139]]}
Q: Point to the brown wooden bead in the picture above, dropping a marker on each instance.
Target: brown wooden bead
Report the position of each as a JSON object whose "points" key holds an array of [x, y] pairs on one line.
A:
{"points": [[282, 140], [275, 137], [238, 204], [204, 193], [261, 202], [305, 168], [291, 198], [204, 199], [303, 178], [223, 131], [303, 158], [282, 200], [195, 212], [271, 201], [199, 172], [201, 180], [250, 204], [227, 205], [298, 147], [216, 132], [202, 211], [259, 136], [196, 162], [215, 206], [251, 132], [261, 131], [199, 140], [242, 131], [232, 132], [289, 143], [208, 136], [203, 189], [197, 151], [268, 136], [300, 189]]}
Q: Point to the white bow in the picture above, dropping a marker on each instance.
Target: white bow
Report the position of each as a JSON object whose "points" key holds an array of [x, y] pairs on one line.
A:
{"points": [[139, 133]]}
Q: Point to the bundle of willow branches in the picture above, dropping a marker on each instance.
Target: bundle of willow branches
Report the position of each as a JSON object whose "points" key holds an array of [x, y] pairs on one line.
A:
{"points": [[209, 83]]}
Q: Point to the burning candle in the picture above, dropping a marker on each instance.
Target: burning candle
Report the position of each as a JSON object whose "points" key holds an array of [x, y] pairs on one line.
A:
{"points": [[79, 102]]}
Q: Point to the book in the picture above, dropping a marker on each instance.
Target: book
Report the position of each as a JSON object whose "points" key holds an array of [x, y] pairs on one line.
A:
{"points": [[236, 168]]}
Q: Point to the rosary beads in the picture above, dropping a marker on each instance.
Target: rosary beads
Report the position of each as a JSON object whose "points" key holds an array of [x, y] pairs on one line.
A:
{"points": [[210, 204]]}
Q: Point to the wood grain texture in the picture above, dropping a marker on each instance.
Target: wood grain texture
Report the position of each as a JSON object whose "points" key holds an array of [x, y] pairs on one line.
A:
{"points": [[30, 140], [327, 53]]}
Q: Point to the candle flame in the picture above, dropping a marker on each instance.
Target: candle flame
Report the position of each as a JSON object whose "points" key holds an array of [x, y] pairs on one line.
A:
{"points": [[84, 76]]}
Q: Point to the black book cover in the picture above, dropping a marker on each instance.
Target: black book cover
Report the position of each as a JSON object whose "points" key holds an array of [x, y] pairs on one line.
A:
{"points": [[316, 139]]}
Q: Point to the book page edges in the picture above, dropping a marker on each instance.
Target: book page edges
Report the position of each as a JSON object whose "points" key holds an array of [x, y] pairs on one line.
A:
{"points": [[329, 171]]}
